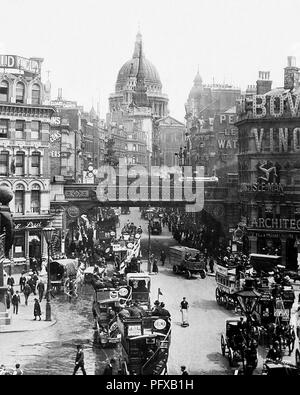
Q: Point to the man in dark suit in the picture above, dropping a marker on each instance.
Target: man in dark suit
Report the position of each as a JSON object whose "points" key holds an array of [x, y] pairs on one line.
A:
{"points": [[15, 302], [79, 361]]}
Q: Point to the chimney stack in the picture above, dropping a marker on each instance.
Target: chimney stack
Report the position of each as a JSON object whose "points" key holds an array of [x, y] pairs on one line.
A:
{"points": [[59, 95], [263, 84], [291, 74]]}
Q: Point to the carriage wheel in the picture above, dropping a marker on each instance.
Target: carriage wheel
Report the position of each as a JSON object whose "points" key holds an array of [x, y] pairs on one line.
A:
{"points": [[227, 302], [218, 296], [297, 358], [223, 345], [291, 344], [202, 274], [175, 269]]}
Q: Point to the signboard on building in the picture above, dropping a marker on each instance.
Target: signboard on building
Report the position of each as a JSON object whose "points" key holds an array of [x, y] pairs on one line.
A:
{"points": [[32, 66], [30, 225], [226, 132], [273, 105], [73, 211], [276, 224]]}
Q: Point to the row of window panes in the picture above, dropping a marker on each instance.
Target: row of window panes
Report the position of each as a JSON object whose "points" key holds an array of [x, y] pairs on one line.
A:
{"points": [[19, 164], [20, 126], [35, 204], [20, 93]]}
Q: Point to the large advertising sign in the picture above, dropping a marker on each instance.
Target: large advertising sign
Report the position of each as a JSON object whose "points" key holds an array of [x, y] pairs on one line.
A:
{"points": [[17, 62]]}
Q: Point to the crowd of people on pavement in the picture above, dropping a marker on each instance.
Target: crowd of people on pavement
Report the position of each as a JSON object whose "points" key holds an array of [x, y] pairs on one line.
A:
{"points": [[28, 284]]}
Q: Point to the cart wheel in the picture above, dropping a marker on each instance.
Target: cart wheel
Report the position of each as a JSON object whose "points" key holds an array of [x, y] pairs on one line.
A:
{"points": [[202, 275], [188, 275], [223, 346], [297, 358], [175, 269]]}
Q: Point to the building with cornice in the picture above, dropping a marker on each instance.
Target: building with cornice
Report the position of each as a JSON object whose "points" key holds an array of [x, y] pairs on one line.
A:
{"points": [[25, 115]]}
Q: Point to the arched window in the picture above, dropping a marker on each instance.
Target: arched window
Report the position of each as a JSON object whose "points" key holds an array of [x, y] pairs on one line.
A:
{"points": [[20, 91], [36, 94], [35, 199], [4, 91], [19, 199], [20, 164], [35, 164], [4, 157]]}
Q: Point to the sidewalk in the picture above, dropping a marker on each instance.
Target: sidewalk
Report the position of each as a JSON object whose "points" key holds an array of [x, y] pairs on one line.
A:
{"points": [[24, 320]]}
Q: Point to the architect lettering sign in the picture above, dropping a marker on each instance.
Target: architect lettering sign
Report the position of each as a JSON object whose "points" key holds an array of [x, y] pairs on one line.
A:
{"points": [[276, 224]]}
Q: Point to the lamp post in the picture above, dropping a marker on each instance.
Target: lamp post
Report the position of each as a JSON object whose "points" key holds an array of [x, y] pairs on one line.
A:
{"points": [[248, 297], [149, 212], [48, 233]]}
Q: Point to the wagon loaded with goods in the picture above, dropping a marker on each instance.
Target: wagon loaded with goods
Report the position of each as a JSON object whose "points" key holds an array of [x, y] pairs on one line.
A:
{"points": [[187, 261]]}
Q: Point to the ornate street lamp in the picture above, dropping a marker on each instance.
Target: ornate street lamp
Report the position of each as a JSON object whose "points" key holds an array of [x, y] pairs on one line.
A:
{"points": [[248, 297], [149, 215], [48, 233]]}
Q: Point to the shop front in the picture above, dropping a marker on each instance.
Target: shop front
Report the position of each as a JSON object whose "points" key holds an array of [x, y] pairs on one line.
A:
{"points": [[29, 242], [281, 242]]}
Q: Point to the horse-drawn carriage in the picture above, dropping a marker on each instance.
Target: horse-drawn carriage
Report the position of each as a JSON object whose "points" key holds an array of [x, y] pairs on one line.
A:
{"points": [[233, 342], [229, 281], [282, 368], [60, 270], [108, 302]]}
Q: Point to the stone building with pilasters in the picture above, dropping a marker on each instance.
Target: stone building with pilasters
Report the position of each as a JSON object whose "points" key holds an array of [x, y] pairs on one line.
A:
{"points": [[25, 115]]}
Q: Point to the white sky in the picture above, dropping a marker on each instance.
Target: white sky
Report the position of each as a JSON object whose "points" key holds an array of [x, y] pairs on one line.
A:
{"points": [[85, 42]]}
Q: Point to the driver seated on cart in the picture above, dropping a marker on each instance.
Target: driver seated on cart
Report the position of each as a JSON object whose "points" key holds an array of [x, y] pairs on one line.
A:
{"points": [[242, 324]]}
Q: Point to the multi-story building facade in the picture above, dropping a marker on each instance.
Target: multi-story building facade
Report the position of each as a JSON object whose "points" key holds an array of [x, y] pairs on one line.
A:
{"points": [[76, 142], [212, 142], [168, 138], [269, 166], [25, 115]]}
